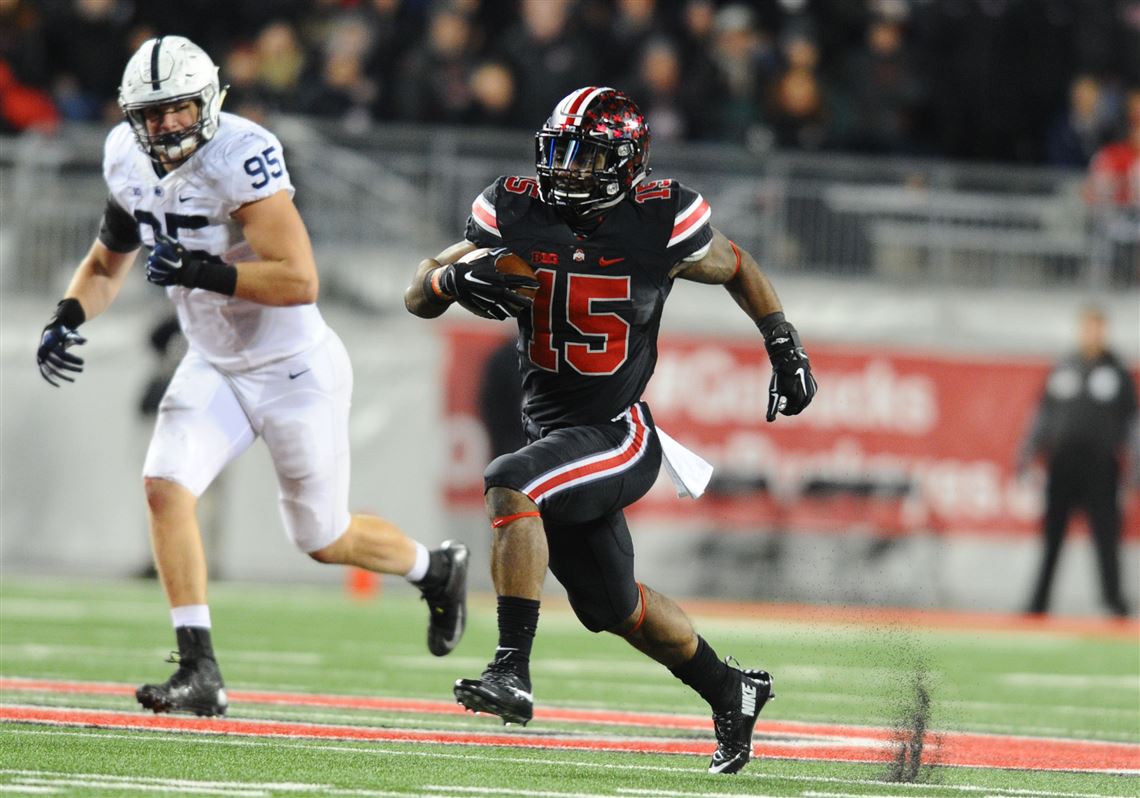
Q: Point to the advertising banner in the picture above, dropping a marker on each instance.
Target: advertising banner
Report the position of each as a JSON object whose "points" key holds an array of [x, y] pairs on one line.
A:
{"points": [[895, 441]]}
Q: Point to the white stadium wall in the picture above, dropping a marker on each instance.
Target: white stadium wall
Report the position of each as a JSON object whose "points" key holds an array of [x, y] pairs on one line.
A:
{"points": [[73, 503]]}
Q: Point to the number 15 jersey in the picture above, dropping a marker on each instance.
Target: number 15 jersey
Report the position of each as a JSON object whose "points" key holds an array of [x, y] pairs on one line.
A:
{"points": [[589, 345], [241, 164]]}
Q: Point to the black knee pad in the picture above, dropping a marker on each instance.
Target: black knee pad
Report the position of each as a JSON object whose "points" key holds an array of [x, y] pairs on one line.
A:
{"points": [[599, 616], [508, 471], [594, 562]]}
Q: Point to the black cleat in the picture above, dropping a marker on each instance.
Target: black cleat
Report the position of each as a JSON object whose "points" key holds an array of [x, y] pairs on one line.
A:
{"points": [[734, 726], [195, 687], [447, 603], [497, 692]]}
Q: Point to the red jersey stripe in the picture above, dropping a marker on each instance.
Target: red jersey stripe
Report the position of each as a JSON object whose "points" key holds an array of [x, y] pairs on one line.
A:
{"points": [[485, 216], [690, 221], [595, 466]]}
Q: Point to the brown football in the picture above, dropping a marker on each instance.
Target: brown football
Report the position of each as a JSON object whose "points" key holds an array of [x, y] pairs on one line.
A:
{"points": [[510, 263]]}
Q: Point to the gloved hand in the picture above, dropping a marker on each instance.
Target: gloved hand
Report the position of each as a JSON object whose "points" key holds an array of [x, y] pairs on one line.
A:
{"points": [[792, 385], [478, 286], [58, 336], [170, 264]]}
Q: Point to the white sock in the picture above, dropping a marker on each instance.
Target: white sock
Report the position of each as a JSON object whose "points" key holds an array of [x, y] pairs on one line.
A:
{"points": [[419, 570], [191, 615]]}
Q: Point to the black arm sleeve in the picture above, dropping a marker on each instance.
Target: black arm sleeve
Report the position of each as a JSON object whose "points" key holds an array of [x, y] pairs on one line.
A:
{"points": [[119, 231]]}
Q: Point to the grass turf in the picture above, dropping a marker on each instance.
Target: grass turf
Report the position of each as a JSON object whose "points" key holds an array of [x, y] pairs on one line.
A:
{"points": [[317, 639]]}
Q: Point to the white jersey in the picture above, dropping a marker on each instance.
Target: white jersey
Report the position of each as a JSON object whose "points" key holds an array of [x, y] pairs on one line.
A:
{"points": [[242, 163]]}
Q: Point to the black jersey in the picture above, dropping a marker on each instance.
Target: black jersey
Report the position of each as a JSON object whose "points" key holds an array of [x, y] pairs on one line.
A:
{"points": [[589, 345]]}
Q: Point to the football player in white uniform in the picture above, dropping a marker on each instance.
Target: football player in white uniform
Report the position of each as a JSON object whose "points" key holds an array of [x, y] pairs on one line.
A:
{"points": [[209, 193]]}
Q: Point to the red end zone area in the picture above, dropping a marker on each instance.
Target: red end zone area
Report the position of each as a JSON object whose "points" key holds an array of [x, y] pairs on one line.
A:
{"points": [[784, 740]]}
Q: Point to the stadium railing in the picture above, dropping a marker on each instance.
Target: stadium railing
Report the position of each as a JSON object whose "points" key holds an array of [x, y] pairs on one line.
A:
{"points": [[410, 188]]}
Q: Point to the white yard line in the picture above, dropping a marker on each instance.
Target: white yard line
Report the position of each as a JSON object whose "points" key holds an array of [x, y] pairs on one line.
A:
{"points": [[1131, 683], [558, 764], [51, 779]]}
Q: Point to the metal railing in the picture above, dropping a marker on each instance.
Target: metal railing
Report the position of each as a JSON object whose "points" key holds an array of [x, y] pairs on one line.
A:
{"points": [[410, 188]]}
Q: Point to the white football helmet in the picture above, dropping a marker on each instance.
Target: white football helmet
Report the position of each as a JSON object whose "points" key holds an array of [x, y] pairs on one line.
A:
{"points": [[166, 70]]}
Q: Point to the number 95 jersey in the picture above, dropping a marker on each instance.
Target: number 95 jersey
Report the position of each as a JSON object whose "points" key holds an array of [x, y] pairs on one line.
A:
{"points": [[589, 345], [241, 164]]}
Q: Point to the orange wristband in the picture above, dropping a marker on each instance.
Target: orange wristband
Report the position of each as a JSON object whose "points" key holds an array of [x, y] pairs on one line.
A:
{"points": [[439, 292]]}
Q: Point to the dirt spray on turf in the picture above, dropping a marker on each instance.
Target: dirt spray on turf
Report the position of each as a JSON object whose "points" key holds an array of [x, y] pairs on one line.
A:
{"points": [[913, 748], [912, 743]]}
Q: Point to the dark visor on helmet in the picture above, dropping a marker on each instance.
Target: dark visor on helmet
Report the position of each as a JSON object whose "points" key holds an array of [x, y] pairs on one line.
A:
{"points": [[563, 152]]}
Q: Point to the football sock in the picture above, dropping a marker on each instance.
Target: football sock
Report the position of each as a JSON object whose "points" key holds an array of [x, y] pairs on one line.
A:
{"points": [[421, 566], [191, 615], [194, 643], [518, 620], [713, 680]]}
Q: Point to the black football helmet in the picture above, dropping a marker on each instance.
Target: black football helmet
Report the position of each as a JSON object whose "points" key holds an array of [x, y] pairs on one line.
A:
{"points": [[592, 150]]}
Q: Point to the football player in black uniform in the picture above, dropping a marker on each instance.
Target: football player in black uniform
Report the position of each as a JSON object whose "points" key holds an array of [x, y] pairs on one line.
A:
{"points": [[606, 244]]}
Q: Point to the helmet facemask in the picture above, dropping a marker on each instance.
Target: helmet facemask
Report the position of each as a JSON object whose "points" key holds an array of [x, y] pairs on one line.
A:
{"points": [[178, 145], [591, 152], [165, 72]]}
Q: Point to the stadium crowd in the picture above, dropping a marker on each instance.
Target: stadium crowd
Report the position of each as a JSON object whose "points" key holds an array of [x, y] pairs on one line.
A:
{"points": [[1032, 81]]}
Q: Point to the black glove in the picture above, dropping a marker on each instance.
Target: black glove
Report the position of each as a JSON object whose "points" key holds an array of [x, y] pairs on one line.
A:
{"points": [[59, 335], [170, 264], [479, 287], [792, 386]]}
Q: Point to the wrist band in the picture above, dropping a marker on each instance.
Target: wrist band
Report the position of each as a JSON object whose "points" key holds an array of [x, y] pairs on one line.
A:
{"points": [[431, 290], [70, 313], [439, 292], [212, 276], [768, 324]]}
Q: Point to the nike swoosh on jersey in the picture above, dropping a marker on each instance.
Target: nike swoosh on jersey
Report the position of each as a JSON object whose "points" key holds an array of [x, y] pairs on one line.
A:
{"points": [[293, 376], [609, 261]]}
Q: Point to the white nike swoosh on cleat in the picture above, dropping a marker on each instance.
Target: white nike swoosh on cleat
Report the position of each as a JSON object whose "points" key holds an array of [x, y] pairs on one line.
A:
{"points": [[451, 641], [718, 767]]}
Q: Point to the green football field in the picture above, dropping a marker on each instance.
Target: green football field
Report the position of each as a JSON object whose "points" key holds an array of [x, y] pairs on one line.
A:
{"points": [[334, 695]]}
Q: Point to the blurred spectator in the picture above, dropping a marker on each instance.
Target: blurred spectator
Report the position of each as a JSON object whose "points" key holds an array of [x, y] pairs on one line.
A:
{"points": [[700, 74], [661, 93], [281, 60], [549, 58], [1080, 131], [24, 107], [395, 28], [1113, 191], [1085, 425], [796, 113], [795, 107], [432, 83], [978, 79], [245, 96], [885, 90], [634, 23], [492, 89], [745, 60], [344, 90], [501, 399], [1114, 173], [88, 43], [22, 44]]}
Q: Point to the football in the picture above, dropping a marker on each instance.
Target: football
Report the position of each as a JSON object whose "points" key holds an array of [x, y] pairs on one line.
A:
{"points": [[506, 262]]}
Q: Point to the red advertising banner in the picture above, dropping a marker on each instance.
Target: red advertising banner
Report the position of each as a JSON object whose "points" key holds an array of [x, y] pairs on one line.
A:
{"points": [[895, 441]]}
